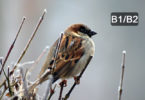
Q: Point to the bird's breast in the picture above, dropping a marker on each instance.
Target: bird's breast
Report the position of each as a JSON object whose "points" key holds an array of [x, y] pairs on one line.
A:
{"points": [[89, 47]]}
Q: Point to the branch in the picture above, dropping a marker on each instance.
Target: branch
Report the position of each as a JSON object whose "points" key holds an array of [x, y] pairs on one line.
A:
{"points": [[12, 45], [47, 74], [44, 77], [30, 40], [51, 79], [8, 80], [51, 92], [48, 87], [6, 58], [26, 95], [78, 78], [36, 61], [122, 76]]}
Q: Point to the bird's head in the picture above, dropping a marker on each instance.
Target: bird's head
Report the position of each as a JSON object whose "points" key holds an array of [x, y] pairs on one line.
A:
{"points": [[81, 30]]}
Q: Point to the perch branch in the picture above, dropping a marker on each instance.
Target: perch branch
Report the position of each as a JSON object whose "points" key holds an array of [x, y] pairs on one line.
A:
{"points": [[51, 92], [46, 74], [48, 87], [78, 78]]}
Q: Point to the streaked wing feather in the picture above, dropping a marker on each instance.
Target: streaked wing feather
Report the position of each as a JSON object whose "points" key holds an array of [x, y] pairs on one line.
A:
{"points": [[70, 51]]}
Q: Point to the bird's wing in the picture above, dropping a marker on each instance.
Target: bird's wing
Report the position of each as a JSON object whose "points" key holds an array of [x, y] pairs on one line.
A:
{"points": [[70, 52]]}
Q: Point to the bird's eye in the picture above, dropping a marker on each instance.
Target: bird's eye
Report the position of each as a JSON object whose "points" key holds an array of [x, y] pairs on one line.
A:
{"points": [[83, 29]]}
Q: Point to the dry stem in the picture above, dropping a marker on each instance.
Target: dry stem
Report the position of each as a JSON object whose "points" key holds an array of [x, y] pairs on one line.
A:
{"points": [[21, 56], [30, 40], [12, 45], [51, 92], [122, 75]]}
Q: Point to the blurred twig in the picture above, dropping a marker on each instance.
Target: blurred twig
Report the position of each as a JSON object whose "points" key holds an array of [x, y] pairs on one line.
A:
{"points": [[9, 87], [12, 45], [24, 84], [2, 94], [122, 75], [78, 78], [48, 87], [1, 60], [37, 60]]}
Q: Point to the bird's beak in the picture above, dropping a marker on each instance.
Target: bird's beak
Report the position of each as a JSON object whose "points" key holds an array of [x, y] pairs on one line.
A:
{"points": [[91, 33]]}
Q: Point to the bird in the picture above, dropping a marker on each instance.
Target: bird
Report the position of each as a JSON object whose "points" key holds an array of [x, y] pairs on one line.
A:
{"points": [[76, 46]]}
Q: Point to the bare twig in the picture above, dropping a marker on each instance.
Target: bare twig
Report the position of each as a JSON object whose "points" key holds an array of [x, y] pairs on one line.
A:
{"points": [[37, 60], [6, 58], [45, 76], [52, 92], [48, 87], [54, 65], [9, 87], [12, 45], [122, 75], [78, 78], [1, 60], [2, 94], [24, 84], [30, 40]]}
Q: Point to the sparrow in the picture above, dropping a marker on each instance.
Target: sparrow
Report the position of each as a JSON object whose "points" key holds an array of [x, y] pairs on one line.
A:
{"points": [[76, 46]]}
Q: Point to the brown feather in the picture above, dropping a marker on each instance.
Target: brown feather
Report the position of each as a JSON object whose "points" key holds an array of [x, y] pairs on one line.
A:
{"points": [[68, 56]]}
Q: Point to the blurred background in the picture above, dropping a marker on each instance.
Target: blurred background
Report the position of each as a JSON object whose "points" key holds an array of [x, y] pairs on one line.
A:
{"points": [[101, 79]]}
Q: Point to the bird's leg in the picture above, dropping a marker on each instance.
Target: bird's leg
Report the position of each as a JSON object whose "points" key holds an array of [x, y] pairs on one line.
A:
{"points": [[62, 84], [77, 79]]}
